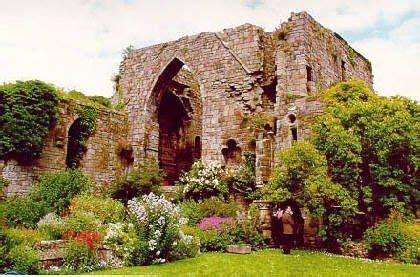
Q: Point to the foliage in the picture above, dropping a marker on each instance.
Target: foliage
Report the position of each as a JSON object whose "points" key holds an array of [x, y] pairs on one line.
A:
{"points": [[242, 179], [23, 258], [85, 126], [196, 211], [151, 233], [95, 101], [82, 221], [107, 210], [203, 181], [80, 257], [214, 222], [394, 238], [16, 250], [56, 190], [144, 179], [371, 144], [23, 211], [302, 179], [51, 226], [27, 111], [3, 183]]}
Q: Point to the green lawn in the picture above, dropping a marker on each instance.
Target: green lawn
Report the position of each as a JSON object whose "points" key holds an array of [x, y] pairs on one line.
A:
{"points": [[272, 263]]}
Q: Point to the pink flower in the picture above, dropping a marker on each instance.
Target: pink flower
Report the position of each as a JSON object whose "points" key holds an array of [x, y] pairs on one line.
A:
{"points": [[214, 222]]}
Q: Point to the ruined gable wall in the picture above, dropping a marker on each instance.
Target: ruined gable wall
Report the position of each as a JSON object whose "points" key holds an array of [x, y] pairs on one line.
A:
{"points": [[222, 69], [101, 161]]}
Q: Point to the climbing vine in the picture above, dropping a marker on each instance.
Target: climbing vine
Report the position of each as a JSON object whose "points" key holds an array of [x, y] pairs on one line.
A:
{"points": [[27, 111]]}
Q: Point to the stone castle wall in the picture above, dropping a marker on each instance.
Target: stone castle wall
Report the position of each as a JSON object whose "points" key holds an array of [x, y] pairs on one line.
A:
{"points": [[216, 80], [244, 71], [100, 161]]}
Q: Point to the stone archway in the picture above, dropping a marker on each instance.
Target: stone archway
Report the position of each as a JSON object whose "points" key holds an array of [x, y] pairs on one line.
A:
{"points": [[175, 120], [75, 149]]}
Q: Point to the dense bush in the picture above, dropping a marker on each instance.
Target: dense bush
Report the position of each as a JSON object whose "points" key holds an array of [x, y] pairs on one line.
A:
{"points": [[27, 110], [394, 238], [24, 259], [51, 226], [144, 179], [23, 211], [17, 253], [107, 210], [195, 211], [203, 181], [56, 190], [152, 233], [371, 145], [79, 257], [53, 193]]}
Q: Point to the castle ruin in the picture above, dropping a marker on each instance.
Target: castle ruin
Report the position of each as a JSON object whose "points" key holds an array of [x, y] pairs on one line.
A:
{"points": [[194, 98]]}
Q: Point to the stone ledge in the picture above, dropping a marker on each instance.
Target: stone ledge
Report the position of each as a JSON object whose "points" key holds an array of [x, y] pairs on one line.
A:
{"points": [[239, 249]]}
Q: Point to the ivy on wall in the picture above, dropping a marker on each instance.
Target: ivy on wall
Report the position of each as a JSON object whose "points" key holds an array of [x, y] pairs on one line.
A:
{"points": [[27, 111], [79, 132]]}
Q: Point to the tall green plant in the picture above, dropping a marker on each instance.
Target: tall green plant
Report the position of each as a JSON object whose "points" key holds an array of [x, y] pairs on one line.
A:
{"points": [[27, 111]]}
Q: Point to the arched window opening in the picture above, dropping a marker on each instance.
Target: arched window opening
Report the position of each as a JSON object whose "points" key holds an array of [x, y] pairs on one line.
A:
{"points": [[343, 70], [292, 118], [76, 147], [309, 74], [232, 153], [293, 130]]}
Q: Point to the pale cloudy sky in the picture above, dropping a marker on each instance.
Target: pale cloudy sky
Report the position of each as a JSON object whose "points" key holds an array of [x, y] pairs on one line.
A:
{"points": [[77, 44]]}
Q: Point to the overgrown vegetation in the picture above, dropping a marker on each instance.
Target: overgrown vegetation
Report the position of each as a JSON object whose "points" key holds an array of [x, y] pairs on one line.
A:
{"points": [[143, 179], [359, 165], [27, 111]]}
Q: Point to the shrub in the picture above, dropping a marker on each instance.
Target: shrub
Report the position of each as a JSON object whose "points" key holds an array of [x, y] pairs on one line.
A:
{"points": [[51, 226], [196, 211], [394, 238], [214, 240], [27, 110], [186, 247], [242, 178], [214, 223], [19, 236], [25, 259], [157, 221], [217, 207], [142, 180], [56, 190], [82, 221], [191, 211], [23, 211], [203, 181], [4, 249], [79, 257], [105, 209]]}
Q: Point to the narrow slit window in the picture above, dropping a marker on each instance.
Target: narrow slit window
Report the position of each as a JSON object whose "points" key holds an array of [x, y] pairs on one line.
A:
{"points": [[309, 74], [343, 70], [294, 133]]}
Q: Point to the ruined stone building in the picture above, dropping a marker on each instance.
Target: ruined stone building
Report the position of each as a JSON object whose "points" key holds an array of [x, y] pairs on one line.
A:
{"points": [[213, 96]]}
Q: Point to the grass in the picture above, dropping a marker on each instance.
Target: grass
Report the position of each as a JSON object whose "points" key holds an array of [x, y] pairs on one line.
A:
{"points": [[271, 263]]}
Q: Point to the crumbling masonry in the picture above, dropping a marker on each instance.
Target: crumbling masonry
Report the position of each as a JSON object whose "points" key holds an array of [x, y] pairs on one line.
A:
{"points": [[197, 97]]}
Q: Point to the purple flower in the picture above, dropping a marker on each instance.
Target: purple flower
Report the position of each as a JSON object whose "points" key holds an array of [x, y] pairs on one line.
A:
{"points": [[214, 222]]}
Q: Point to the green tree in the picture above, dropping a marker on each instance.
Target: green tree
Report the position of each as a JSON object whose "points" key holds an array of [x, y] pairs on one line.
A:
{"points": [[371, 144]]}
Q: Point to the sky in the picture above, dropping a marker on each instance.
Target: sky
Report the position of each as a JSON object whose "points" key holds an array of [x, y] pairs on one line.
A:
{"points": [[78, 44]]}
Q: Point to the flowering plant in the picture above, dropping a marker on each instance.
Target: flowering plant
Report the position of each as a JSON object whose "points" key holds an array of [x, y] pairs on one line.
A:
{"points": [[203, 181], [214, 222], [51, 225]]}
